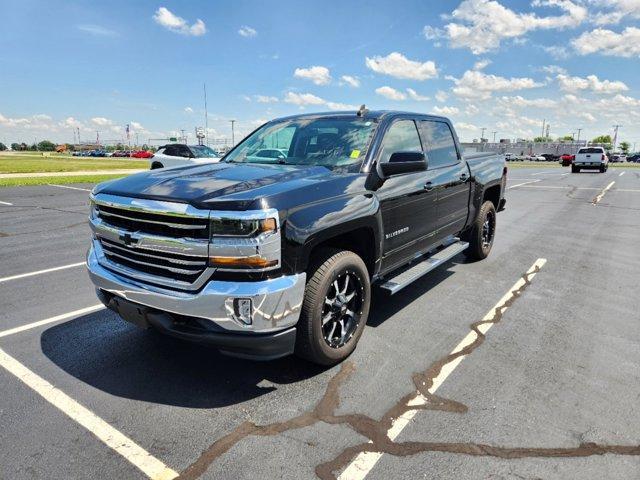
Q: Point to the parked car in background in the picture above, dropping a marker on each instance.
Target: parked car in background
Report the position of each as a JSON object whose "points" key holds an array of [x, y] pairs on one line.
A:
{"points": [[98, 153], [566, 159], [550, 157], [618, 158], [179, 154], [535, 158], [142, 154], [635, 158], [509, 157], [590, 158]]}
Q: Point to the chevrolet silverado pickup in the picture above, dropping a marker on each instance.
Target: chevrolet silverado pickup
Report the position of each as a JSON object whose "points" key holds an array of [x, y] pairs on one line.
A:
{"points": [[263, 257]]}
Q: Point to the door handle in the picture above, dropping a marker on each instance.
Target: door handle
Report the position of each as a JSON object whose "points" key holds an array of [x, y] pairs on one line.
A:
{"points": [[428, 186], [463, 177]]}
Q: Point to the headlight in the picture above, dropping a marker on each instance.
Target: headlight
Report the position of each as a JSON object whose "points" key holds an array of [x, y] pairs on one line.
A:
{"points": [[245, 241]]}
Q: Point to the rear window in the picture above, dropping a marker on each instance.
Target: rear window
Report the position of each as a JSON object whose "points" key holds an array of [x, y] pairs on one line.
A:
{"points": [[591, 150]]}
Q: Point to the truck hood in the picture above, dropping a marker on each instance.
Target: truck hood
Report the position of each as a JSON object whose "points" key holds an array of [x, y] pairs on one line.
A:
{"points": [[220, 185]]}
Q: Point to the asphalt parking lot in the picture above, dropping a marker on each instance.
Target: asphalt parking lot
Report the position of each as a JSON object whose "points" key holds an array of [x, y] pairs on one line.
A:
{"points": [[534, 353]]}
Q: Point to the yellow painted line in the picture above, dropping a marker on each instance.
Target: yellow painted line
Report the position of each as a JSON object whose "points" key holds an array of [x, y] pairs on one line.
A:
{"points": [[39, 272], [46, 321], [601, 194], [117, 441], [364, 462]]}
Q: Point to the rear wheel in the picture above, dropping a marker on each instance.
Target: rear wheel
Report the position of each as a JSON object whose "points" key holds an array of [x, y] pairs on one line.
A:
{"points": [[335, 307], [482, 233], [603, 169], [574, 169]]}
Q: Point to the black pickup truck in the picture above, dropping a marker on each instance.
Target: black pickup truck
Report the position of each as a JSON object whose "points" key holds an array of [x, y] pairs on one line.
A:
{"points": [[263, 257]]}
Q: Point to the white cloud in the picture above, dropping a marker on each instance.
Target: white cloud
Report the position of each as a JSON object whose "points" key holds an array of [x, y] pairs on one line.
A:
{"points": [[341, 106], [416, 96], [390, 93], [441, 96], [479, 85], [432, 33], [558, 52], [553, 69], [302, 99], [317, 74], [447, 111], [101, 121], [480, 64], [351, 80], [591, 82], [265, 99], [518, 101], [176, 24], [615, 11], [247, 32], [608, 42], [480, 25], [71, 122], [397, 65], [97, 30], [188, 110]]}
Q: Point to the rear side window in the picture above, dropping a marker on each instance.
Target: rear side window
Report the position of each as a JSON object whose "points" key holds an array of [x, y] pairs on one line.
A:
{"points": [[439, 142], [591, 150], [171, 151], [402, 136]]}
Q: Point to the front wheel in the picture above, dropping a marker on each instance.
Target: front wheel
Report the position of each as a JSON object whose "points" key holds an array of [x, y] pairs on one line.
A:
{"points": [[482, 233], [335, 307]]}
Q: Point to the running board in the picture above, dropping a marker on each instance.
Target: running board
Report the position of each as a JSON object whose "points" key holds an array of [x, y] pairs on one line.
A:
{"points": [[393, 284]]}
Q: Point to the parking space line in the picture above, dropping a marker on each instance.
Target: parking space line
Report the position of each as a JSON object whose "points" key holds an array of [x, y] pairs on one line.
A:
{"points": [[114, 439], [523, 183], [57, 318], [70, 188], [7, 203], [560, 186], [601, 194], [622, 173], [39, 272], [365, 461]]}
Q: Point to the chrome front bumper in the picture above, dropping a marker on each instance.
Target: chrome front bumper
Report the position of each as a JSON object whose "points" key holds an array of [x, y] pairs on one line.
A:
{"points": [[276, 302]]}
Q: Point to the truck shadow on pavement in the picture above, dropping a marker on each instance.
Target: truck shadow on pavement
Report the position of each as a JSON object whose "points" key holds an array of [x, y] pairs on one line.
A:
{"points": [[111, 355]]}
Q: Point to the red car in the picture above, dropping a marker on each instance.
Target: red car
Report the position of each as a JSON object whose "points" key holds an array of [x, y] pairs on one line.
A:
{"points": [[142, 154], [567, 159]]}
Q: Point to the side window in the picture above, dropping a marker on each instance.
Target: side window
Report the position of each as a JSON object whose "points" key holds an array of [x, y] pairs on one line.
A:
{"points": [[440, 144], [402, 136], [183, 151], [170, 151]]}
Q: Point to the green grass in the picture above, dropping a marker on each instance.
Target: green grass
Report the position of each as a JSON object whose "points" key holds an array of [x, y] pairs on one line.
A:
{"points": [[25, 181], [30, 163]]}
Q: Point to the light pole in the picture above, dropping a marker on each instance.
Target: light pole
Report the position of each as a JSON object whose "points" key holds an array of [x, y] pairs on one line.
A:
{"points": [[233, 135], [579, 130], [494, 136], [482, 134]]}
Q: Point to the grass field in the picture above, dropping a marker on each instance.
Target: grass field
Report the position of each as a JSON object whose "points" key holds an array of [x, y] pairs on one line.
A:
{"points": [[18, 182], [30, 163]]}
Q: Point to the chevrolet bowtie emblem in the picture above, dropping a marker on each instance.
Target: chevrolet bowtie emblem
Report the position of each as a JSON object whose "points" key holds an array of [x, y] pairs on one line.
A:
{"points": [[128, 239]]}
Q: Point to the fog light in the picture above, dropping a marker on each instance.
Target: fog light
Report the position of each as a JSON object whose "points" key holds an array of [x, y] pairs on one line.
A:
{"points": [[242, 309]]}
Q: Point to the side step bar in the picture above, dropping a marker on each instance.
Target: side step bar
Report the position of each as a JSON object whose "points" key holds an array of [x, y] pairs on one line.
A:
{"points": [[396, 282]]}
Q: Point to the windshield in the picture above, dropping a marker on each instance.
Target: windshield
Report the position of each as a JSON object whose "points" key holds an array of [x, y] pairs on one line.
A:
{"points": [[591, 150], [201, 151], [329, 142]]}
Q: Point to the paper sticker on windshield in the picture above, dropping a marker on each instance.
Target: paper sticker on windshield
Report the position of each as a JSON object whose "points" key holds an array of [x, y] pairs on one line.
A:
{"points": [[355, 153]]}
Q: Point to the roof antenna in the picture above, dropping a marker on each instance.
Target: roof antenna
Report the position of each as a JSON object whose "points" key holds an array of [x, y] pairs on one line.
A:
{"points": [[362, 111]]}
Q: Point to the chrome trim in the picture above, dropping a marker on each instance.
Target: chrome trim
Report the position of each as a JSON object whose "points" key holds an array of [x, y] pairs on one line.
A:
{"points": [[183, 226], [106, 251], [135, 276], [276, 302], [246, 214], [150, 206], [143, 252]]}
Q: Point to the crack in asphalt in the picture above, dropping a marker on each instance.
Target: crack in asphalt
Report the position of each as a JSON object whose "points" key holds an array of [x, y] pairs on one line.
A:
{"points": [[376, 431]]}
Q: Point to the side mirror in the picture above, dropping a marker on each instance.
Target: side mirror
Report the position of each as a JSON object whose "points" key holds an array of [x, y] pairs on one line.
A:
{"points": [[404, 162]]}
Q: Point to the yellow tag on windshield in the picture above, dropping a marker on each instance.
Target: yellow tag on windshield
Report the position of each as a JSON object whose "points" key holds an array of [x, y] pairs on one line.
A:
{"points": [[355, 153]]}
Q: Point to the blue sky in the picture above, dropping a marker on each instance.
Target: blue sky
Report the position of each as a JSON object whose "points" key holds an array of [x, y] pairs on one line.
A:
{"points": [[504, 65]]}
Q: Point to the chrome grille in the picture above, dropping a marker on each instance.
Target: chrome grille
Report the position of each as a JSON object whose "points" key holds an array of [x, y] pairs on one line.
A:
{"points": [[154, 223]]}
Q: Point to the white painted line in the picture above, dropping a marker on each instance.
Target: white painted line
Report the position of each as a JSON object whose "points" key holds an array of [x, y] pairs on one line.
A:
{"points": [[39, 272], [70, 188], [601, 194], [120, 443], [7, 203], [622, 173], [559, 186], [544, 173], [523, 183], [627, 190], [46, 321], [364, 462]]}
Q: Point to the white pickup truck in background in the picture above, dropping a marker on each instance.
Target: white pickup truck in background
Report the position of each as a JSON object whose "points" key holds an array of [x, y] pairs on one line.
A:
{"points": [[591, 158], [180, 155]]}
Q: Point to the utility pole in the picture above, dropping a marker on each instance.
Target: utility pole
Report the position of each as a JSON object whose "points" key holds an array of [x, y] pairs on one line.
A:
{"points": [[543, 122], [579, 130], [233, 136], [78, 135], [97, 138], [184, 139], [482, 134], [494, 136], [615, 136], [206, 117]]}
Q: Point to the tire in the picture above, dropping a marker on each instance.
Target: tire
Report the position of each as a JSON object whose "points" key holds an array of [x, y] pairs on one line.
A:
{"points": [[603, 169], [479, 247], [322, 344], [575, 169]]}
